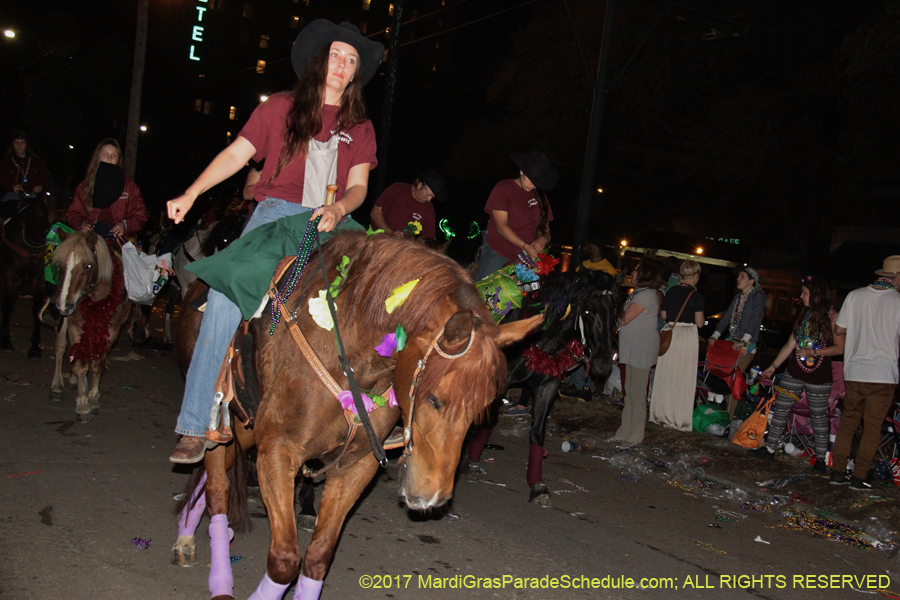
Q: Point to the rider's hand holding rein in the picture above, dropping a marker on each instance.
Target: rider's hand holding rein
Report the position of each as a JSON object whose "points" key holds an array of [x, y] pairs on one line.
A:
{"points": [[357, 185], [227, 163]]}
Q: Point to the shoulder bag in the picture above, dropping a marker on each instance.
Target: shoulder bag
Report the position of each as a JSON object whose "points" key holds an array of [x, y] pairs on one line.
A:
{"points": [[665, 336]]}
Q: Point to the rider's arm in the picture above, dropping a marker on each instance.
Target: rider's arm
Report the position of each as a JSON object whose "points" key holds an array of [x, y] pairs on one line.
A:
{"points": [[227, 163], [503, 228], [136, 212], [378, 220], [77, 215]]}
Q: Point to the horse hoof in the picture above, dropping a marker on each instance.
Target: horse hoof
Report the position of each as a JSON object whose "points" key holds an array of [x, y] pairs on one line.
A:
{"points": [[84, 417], [220, 597], [307, 522], [56, 394], [35, 353], [472, 471], [95, 410], [185, 556], [540, 495]]}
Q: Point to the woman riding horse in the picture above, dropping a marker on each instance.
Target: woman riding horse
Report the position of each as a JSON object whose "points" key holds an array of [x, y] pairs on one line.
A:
{"points": [[307, 137]]}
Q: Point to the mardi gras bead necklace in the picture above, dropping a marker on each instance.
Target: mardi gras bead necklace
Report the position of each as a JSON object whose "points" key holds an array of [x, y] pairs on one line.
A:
{"points": [[738, 313], [883, 283], [306, 244]]}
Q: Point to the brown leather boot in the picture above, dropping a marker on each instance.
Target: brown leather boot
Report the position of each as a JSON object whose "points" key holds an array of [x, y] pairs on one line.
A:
{"points": [[190, 449]]}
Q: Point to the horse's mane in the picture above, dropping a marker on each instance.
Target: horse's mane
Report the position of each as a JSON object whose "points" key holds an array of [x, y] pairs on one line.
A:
{"points": [[77, 246], [382, 263]]}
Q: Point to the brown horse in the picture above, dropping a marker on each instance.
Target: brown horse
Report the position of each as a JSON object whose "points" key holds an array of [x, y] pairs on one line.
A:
{"points": [[93, 301], [444, 377]]}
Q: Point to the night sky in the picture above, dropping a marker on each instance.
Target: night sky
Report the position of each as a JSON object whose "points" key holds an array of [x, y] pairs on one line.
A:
{"points": [[769, 122]]}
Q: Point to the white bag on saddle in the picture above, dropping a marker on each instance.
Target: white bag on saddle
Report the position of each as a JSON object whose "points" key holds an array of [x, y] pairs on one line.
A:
{"points": [[145, 274]]}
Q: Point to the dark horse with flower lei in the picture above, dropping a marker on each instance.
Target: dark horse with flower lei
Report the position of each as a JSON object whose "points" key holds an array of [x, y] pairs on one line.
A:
{"points": [[445, 374], [580, 311]]}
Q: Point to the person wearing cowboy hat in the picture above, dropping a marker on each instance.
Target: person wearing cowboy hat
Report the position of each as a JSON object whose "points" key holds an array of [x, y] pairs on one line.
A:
{"points": [[402, 204], [520, 213], [21, 172], [870, 318], [315, 135]]}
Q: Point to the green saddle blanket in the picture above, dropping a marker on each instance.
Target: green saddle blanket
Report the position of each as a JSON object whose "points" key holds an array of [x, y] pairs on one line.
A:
{"points": [[244, 269]]}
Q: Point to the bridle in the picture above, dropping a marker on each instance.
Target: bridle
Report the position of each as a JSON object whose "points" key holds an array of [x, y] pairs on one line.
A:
{"points": [[420, 367]]}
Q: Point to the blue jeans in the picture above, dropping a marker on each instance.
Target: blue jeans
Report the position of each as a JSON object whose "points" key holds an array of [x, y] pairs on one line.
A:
{"points": [[490, 262], [220, 320], [578, 379]]}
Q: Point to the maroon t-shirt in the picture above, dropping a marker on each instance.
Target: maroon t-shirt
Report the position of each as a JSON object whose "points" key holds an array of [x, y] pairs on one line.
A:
{"points": [[399, 208], [265, 130], [523, 211]]}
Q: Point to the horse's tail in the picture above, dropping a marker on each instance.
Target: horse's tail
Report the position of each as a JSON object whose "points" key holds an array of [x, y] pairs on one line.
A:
{"points": [[238, 509], [193, 482]]}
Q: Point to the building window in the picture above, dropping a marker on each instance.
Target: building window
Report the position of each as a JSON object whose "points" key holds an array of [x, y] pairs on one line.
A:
{"points": [[362, 27], [437, 45], [198, 105], [391, 9], [248, 11], [384, 56], [295, 22], [207, 107], [232, 113], [433, 67], [214, 4], [366, 4], [263, 41], [260, 66], [228, 138]]}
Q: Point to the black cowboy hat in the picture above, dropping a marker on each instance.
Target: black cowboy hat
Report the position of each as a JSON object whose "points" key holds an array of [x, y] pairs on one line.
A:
{"points": [[436, 182], [321, 32], [537, 168]]}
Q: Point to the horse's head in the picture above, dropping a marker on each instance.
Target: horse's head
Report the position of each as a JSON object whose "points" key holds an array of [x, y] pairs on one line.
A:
{"points": [[85, 269], [597, 299], [225, 231], [453, 375]]}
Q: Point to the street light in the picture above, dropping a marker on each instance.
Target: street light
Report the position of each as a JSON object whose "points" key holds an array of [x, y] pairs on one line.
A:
{"points": [[143, 128], [699, 250], [9, 33]]}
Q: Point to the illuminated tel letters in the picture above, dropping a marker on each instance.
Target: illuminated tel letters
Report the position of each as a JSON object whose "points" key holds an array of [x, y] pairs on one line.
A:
{"points": [[197, 31]]}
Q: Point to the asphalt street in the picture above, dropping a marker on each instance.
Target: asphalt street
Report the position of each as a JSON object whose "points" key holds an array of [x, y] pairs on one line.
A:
{"points": [[75, 498]]}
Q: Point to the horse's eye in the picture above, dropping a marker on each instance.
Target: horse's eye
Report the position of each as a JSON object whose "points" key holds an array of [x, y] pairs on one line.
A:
{"points": [[434, 402]]}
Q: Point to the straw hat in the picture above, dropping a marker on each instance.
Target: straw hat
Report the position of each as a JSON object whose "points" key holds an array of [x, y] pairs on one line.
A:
{"points": [[890, 267]]}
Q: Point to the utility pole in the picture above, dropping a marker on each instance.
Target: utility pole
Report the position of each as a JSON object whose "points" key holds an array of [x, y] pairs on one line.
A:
{"points": [[387, 104], [588, 178], [137, 85]]}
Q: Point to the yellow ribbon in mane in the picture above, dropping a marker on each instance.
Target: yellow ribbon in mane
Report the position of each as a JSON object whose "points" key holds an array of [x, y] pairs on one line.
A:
{"points": [[399, 296]]}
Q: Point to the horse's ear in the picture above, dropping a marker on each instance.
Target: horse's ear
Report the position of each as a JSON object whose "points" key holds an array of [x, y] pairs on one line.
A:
{"points": [[443, 247], [92, 238], [511, 333], [457, 332]]}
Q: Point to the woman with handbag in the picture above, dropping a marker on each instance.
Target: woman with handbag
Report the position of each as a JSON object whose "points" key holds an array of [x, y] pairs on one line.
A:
{"points": [[672, 400], [808, 355]]}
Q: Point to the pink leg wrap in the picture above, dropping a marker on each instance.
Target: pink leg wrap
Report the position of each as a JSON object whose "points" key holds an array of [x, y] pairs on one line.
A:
{"points": [[221, 582], [268, 590], [536, 455], [190, 517], [479, 441], [307, 589]]}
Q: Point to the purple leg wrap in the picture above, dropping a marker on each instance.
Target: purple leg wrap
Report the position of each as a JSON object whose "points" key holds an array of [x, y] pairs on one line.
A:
{"points": [[221, 582], [190, 517], [479, 441], [307, 589], [268, 590]]}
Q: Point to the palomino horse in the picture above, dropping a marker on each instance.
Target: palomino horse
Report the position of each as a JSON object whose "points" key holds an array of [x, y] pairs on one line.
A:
{"points": [[580, 312], [22, 267], [93, 301], [444, 376]]}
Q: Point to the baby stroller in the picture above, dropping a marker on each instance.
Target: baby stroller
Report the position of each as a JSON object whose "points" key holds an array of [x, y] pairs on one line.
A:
{"points": [[720, 375]]}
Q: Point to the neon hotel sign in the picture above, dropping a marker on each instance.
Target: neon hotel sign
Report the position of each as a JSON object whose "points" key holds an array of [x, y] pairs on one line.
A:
{"points": [[197, 31]]}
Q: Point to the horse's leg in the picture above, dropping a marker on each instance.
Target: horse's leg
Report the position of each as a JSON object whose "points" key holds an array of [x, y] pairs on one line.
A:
{"points": [[217, 462], [184, 552], [83, 412], [544, 396], [59, 348], [36, 305], [342, 490], [97, 368], [277, 470], [306, 498], [6, 308]]}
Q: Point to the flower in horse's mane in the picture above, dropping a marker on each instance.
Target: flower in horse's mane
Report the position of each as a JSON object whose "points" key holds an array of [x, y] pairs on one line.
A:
{"points": [[318, 310], [399, 296], [413, 228]]}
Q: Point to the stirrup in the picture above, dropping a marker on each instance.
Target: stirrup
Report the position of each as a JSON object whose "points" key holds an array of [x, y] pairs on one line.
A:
{"points": [[222, 434]]}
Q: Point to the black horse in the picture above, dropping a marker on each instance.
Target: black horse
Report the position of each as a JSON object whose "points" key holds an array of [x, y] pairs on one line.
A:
{"points": [[580, 311], [22, 250]]}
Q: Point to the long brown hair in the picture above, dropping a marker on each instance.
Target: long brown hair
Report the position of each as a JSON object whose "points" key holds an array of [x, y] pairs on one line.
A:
{"points": [[819, 308], [91, 175], [304, 120]]}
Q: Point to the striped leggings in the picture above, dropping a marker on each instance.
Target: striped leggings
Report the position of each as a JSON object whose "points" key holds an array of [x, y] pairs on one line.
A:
{"points": [[816, 397]]}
